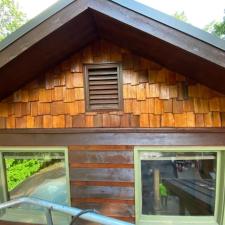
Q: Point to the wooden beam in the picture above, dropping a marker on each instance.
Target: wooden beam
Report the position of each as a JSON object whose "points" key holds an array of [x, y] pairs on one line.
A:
{"points": [[64, 137]]}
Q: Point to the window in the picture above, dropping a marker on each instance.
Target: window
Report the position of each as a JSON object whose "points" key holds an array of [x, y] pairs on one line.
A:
{"points": [[179, 184], [34, 172], [103, 87]]}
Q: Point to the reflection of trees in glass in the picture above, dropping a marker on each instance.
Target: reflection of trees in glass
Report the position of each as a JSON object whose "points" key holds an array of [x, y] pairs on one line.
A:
{"points": [[18, 170]]}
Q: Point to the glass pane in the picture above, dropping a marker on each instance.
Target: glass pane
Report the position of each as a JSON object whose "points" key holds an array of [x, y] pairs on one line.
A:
{"points": [[178, 183], [37, 174]]}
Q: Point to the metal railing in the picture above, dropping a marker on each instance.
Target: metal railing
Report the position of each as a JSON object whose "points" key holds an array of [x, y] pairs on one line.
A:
{"points": [[49, 207]]}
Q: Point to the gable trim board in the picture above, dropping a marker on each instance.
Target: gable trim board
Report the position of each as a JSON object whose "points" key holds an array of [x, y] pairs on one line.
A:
{"points": [[71, 25]]}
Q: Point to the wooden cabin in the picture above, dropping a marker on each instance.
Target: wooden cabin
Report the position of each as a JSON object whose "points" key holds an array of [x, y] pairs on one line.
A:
{"points": [[118, 108]]}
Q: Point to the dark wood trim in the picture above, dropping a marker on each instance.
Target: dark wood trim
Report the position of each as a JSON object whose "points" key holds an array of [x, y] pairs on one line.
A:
{"points": [[73, 137], [101, 148], [110, 130], [103, 183], [103, 200], [100, 165]]}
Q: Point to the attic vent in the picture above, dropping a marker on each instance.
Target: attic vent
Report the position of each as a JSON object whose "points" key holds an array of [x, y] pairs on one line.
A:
{"points": [[103, 87]]}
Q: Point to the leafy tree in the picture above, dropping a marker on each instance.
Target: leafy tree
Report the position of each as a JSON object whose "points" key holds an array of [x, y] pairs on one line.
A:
{"points": [[181, 16], [11, 18], [216, 28]]}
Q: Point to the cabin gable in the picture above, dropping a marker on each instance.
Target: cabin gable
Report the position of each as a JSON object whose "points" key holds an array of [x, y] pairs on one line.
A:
{"points": [[153, 96]]}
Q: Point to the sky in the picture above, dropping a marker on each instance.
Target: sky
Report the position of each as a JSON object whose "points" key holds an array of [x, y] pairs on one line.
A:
{"points": [[198, 12]]}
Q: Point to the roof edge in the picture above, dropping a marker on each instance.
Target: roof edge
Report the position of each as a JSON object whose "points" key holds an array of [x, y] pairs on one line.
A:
{"points": [[133, 5], [172, 22], [31, 24]]}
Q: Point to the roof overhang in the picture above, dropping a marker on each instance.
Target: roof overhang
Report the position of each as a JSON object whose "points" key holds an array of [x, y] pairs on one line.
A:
{"points": [[70, 26]]}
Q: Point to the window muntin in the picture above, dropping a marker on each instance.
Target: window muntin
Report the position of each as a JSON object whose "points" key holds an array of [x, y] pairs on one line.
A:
{"points": [[103, 89], [178, 183], [49, 182]]}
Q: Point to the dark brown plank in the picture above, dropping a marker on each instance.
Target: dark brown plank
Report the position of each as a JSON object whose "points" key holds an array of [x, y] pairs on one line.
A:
{"points": [[102, 192], [101, 148], [121, 157], [102, 200], [100, 165], [91, 174], [109, 209], [74, 137], [103, 183]]}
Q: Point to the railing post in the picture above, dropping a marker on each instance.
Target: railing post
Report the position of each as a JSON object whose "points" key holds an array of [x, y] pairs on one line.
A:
{"points": [[48, 215]]}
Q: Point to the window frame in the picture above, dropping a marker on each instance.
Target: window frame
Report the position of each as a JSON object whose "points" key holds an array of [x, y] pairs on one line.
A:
{"points": [[216, 219], [87, 66], [37, 216]]}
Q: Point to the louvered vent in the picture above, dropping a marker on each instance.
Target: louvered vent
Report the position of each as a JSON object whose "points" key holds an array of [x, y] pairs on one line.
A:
{"points": [[103, 91]]}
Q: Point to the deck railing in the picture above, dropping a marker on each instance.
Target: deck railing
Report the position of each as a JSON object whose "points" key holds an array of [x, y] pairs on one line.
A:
{"points": [[75, 212]]}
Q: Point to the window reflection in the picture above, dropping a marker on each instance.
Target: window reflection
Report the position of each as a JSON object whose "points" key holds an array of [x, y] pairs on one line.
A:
{"points": [[178, 184], [40, 175]]}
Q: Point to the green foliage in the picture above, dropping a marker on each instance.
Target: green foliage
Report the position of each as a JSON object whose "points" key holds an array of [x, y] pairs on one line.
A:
{"points": [[11, 18], [19, 169], [216, 28], [181, 16]]}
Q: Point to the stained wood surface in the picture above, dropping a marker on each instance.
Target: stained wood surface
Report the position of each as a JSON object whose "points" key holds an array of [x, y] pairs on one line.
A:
{"points": [[153, 96], [14, 223], [102, 177]]}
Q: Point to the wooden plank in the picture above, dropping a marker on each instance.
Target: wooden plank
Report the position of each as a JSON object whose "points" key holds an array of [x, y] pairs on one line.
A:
{"points": [[214, 105], [102, 174], [102, 200], [58, 94], [78, 121], [69, 95], [2, 122], [43, 108], [177, 106], [164, 92], [223, 119], [167, 120], [201, 105], [98, 120], [100, 148], [159, 106], [190, 119], [47, 121], [100, 165], [13, 223], [199, 118], [154, 120], [154, 90], [115, 120], [102, 192], [103, 183], [101, 136], [58, 121], [125, 120], [58, 108], [180, 120], [10, 122], [144, 120], [168, 106]]}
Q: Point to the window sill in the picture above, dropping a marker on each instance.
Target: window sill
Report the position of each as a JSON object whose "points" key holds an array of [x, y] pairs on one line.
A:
{"points": [[177, 220]]}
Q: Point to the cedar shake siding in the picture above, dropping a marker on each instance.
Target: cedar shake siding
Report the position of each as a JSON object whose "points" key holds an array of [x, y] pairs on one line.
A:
{"points": [[153, 96]]}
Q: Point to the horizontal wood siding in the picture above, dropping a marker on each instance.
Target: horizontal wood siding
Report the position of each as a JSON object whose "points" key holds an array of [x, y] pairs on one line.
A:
{"points": [[153, 96], [14, 223], [102, 178]]}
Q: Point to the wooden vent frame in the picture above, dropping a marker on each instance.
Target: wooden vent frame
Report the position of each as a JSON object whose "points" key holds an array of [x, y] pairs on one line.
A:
{"points": [[103, 87]]}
